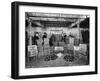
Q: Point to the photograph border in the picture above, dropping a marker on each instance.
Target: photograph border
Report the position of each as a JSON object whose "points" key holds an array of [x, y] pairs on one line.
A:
{"points": [[15, 39]]}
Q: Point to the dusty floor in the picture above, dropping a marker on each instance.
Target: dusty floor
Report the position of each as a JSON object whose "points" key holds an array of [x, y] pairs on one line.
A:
{"points": [[36, 62]]}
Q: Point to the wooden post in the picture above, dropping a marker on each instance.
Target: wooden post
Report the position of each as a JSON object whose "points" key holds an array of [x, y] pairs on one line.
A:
{"points": [[30, 37], [78, 26], [80, 35]]}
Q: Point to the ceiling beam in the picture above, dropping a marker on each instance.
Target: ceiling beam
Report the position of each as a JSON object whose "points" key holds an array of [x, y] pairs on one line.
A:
{"points": [[77, 22], [39, 14], [53, 19]]}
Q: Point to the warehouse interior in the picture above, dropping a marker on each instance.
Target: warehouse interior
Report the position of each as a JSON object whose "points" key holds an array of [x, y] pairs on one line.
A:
{"points": [[56, 39]]}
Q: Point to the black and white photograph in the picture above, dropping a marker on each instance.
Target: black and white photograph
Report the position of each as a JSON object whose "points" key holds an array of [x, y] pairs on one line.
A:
{"points": [[56, 39], [50, 40]]}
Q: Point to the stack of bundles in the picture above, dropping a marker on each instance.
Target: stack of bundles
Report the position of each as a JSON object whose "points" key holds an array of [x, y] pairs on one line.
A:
{"points": [[71, 40], [58, 37], [46, 47], [76, 42], [83, 49], [40, 50], [66, 39], [76, 52], [61, 43], [40, 47], [39, 42], [70, 49], [59, 49], [50, 56], [76, 55], [65, 49], [51, 50], [55, 43], [76, 47], [46, 41]]}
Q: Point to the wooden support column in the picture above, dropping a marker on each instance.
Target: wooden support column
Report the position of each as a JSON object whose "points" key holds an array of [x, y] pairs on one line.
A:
{"points": [[30, 36], [80, 35], [78, 26]]}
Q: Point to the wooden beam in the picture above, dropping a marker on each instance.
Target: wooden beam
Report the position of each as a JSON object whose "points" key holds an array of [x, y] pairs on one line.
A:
{"points": [[39, 14], [77, 22], [53, 19], [30, 37]]}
